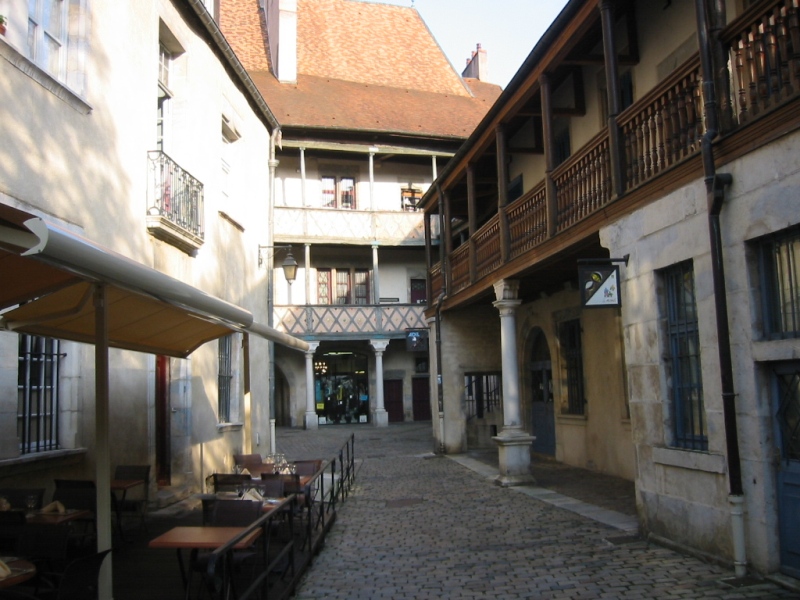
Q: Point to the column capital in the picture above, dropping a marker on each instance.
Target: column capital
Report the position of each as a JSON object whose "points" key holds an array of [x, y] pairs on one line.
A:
{"points": [[506, 289], [379, 345], [312, 347]]}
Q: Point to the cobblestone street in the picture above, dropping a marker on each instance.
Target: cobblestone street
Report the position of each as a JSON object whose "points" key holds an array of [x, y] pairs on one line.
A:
{"points": [[421, 526]]}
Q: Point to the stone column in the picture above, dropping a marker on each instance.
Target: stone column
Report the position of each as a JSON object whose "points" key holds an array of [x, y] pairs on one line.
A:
{"points": [[380, 418], [311, 409], [514, 444]]}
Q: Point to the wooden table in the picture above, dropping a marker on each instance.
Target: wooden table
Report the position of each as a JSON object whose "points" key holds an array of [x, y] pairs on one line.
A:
{"points": [[200, 538], [21, 571], [55, 518], [123, 485]]}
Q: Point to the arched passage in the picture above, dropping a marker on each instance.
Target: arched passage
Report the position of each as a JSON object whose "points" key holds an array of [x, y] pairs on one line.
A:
{"points": [[543, 425]]}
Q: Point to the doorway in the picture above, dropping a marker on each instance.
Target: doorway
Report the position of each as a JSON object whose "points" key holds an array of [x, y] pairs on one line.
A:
{"points": [[543, 423], [786, 386], [163, 440], [393, 400], [421, 398], [341, 384]]}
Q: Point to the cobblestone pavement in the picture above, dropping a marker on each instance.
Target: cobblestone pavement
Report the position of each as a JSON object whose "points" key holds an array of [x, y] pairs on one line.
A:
{"points": [[420, 526]]}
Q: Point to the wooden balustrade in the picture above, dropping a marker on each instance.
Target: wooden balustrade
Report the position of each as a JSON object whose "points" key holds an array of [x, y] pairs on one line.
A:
{"points": [[764, 49], [487, 247], [527, 220], [583, 183], [664, 127], [459, 268], [436, 281]]}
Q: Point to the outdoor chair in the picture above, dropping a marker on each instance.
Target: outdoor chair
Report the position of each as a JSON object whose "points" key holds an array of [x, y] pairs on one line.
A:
{"points": [[307, 467], [133, 503], [79, 580], [251, 462], [229, 482]]}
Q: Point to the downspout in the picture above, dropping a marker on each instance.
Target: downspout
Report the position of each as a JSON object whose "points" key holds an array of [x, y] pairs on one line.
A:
{"points": [[439, 300], [715, 192], [274, 140]]}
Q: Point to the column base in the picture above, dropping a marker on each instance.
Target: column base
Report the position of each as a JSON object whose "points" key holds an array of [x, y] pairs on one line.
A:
{"points": [[380, 418], [514, 458], [311, 421]]}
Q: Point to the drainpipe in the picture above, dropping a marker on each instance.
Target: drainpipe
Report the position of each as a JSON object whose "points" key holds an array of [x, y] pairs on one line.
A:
{"points": [[439, 300], [274, 140], [715, 190]]}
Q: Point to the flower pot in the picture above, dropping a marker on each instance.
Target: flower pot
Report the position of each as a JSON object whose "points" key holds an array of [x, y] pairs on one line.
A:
{"points": [[2, 29]]}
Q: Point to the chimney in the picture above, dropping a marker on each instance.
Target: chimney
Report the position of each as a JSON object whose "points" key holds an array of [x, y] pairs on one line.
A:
{"points": [[282, 32], [477, 65]]}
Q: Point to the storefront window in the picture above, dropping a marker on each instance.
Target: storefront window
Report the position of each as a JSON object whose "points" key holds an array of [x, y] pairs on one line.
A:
{"points": [[341, 388]]}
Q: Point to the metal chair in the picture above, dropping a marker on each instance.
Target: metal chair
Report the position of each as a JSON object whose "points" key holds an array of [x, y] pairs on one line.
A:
{"points": [[133, 503], [229, 482], [251, 462]]}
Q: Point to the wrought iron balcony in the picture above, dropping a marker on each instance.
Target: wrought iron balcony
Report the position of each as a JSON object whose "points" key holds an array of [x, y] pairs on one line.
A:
{"points": [[174, 203]]}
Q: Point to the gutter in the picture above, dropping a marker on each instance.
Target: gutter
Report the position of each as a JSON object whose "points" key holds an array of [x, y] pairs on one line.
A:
{"points": [[233, 61], [715, 191]]}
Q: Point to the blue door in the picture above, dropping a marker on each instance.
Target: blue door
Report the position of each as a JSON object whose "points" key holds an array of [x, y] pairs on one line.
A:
{"points": [[544, 422], [787, 393]]}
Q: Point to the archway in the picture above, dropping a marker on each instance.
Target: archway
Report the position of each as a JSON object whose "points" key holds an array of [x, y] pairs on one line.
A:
{"points": [[543, 425]]}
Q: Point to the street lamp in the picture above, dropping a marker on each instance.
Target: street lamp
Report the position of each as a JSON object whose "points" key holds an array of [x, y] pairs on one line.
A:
{"points": [[289, 264]]}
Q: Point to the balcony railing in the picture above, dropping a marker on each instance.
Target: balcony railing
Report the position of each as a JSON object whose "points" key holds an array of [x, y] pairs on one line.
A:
{"points": [[660, 131], [331, 225], [350, 321], [174, 203]]}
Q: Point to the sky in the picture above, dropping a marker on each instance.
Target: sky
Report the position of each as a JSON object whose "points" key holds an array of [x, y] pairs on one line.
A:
{"points": [[507, 29]]}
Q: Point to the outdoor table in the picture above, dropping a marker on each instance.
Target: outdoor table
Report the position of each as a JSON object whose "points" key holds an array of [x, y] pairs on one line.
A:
{"points": [[21, 571], [200, 538], [123, 485], [55, 518]]}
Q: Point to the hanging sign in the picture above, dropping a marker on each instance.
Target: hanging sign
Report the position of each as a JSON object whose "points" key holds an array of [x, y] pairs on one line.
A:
{"points": [[599, 286]]}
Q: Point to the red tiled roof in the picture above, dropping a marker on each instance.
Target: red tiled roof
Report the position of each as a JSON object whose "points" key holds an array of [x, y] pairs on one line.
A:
{"points": [[361, 66], [323, 102]]}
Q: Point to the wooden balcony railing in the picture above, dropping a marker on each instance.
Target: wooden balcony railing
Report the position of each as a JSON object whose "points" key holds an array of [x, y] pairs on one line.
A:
{"points": [[764, 49], [664, 127], [659, 131], [174, 203], [349, 320], [527, 220]]}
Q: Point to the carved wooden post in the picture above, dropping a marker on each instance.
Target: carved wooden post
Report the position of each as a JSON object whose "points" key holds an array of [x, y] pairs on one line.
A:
{"points": [[612, 79], [502, 192], [473, 267], [551, 197]]}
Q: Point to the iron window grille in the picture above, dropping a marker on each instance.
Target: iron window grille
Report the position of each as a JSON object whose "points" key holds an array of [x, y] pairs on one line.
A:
{"points": [[569, 336], [225, 378], [483, 393], [37, 394], [779, 259], [688, 412]]}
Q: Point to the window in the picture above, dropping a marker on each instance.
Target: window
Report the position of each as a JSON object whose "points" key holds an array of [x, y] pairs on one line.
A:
{"points": [[483, 393], [780, 271], [164, 95], [338, 192], [225, 378], [409, 199], [342, 287], [562, 149], [419, 291], [362, 286], [323, 286], [569, 336], [335, 286], [786, 388], [686, 386], [47, 35], [37, 394]]}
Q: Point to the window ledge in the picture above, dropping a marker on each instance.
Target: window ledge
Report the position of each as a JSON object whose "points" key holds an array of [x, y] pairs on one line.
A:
{"points": [[23, 463], [223, 427], [689, 459], [572, 419], [43, 78]]}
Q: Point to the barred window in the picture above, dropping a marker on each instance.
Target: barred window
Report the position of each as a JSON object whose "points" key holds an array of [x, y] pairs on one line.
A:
{"points": [[225, 378], [780, 272], [686, 385], [483, 393], [37, 394], [569, 336]]}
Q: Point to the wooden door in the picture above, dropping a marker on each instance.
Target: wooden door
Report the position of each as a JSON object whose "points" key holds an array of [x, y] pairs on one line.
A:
{"points": [[393, 400], [163, 440], [421, 398]]}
